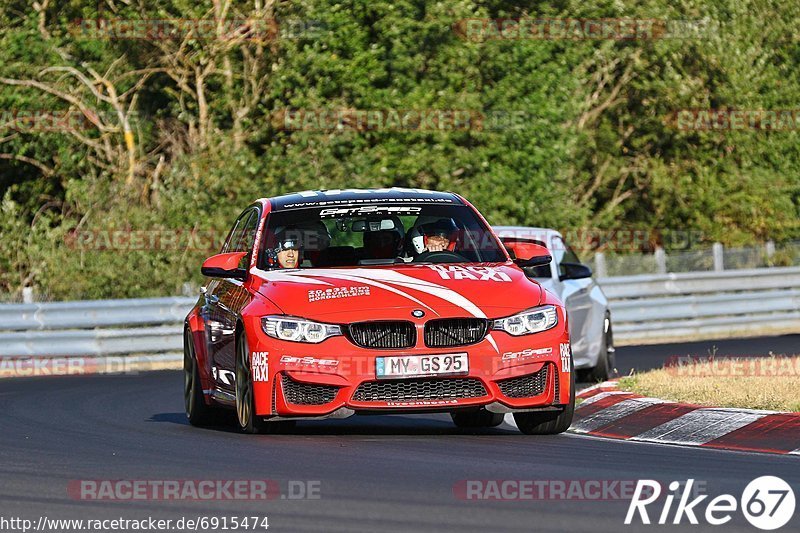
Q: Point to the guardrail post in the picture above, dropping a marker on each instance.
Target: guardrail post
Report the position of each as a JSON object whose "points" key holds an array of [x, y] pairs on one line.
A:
{"points": [[719, 262], [27, 295], [189, 289], [769, 248], [661, 261], [600, 269]]}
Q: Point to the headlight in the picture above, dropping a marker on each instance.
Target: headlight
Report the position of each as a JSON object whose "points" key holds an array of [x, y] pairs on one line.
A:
{"points": [[527, 322], [293, 329]]}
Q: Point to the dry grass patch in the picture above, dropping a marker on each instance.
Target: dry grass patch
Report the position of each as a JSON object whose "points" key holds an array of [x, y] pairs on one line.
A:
{"points": [[771, 383]]}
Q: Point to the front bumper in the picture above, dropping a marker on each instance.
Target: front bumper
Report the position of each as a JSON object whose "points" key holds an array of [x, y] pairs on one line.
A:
{"points": [[336, 378]]}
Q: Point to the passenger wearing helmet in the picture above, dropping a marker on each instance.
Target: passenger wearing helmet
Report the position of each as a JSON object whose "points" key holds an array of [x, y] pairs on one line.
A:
{"points": [[438, 236], [288, 250]]}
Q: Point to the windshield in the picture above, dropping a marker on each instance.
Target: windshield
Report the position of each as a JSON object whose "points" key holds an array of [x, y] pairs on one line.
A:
{"points": [[377, 235]]}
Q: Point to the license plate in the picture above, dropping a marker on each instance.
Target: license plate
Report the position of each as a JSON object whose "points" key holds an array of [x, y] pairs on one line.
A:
{"points": [[403, 366]]}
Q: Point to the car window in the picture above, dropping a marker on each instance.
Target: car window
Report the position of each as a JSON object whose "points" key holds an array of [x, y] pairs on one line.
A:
{"points": [[246, 235], [231, 236], [569, 255], [565, 254], [381, 234], [242, 236]]}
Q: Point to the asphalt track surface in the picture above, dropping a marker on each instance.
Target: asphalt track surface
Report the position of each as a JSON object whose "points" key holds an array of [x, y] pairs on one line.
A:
{"points": [[649, 357], [375, 473]]}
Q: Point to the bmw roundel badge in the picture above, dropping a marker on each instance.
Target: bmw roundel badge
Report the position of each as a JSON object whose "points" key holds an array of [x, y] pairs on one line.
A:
{"points": [[418, 313]]}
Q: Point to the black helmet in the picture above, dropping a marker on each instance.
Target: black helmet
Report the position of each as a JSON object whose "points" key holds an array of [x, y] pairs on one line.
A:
{"points": [[444, 227], [289, 238]]}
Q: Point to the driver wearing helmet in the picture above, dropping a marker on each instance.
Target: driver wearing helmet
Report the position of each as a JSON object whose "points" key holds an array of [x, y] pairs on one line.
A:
{"points": [[288, 250], [438, 236]]}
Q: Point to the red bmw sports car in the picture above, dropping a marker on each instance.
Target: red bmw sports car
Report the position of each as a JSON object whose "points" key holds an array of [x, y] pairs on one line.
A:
{"points": [[340, 302]]}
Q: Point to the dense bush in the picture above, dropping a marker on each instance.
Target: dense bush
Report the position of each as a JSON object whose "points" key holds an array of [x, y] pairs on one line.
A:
{"points": [[587, 135]]}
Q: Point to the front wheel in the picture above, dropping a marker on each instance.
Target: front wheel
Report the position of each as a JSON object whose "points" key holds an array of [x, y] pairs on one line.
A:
{"points": [[549, 422], [249, 422], [197, 411]]}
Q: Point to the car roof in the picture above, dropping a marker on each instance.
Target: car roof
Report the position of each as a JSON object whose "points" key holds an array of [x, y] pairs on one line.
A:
{"points": [[345, 197], [544, 233]]}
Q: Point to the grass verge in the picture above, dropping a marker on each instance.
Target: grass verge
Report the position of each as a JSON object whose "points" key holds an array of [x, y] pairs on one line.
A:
{"points": [[771, 383]]}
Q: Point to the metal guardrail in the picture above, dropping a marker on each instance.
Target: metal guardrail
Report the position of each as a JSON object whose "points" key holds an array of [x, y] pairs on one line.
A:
{"points": [[83, 342], [696, 305], [94, 313], [649, 285], [645, 309]]}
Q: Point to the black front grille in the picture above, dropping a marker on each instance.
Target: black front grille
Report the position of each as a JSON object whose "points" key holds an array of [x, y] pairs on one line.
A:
{"points": [[419, 389], [383, 334], [448, 332], [307, 393], [525, 386]]}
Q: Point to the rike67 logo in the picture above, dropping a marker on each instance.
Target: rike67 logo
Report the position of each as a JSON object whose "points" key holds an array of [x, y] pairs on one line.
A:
{"points": [[767, 503]]}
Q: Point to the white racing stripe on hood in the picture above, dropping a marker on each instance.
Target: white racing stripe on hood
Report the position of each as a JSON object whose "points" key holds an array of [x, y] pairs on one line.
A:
{"points": [[390, 276], [373, 283], [281, 275], [306, 276], [379, 278]]}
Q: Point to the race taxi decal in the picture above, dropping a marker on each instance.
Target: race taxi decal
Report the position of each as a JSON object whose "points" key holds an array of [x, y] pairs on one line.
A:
{"points": [[565, 367], [260, 366], [476, 273], [333, 293], [527, 353], [308, 361]]}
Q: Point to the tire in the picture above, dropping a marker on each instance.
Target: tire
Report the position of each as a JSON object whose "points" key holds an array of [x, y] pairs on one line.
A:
{"points": [[606, 361], [477, 419], [197, 411], [549, 422], [245, 398]]}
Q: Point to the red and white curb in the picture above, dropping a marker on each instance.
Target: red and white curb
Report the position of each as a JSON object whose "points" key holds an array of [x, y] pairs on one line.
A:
{"points": [[608, 412]]}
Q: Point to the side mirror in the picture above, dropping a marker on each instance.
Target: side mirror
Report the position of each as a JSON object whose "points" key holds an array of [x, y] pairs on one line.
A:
{"points": [[225, 266], [527, 252], [575, 271]]}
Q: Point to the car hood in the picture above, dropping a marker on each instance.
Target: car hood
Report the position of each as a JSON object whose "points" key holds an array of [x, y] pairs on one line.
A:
{"points": [[374, 293]]}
